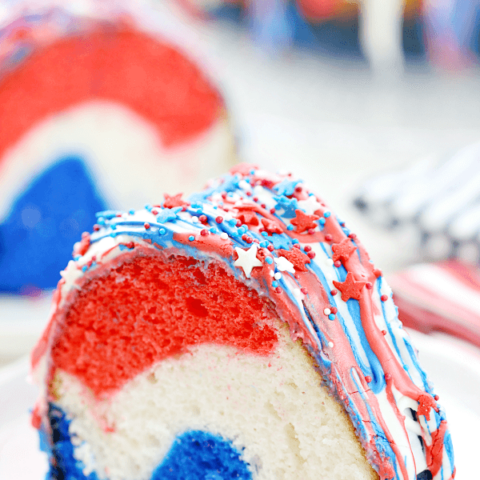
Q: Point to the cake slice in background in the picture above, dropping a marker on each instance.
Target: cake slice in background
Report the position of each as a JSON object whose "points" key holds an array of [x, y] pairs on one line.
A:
{"points": [[96, 112], [240, 333]]}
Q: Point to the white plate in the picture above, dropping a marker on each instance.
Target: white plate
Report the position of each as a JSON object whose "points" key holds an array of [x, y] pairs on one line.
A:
{"points": [[452, 365]]}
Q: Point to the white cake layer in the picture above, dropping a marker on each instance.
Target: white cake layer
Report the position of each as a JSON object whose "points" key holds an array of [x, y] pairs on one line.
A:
{"points": [[274, 407], [122, 151]]}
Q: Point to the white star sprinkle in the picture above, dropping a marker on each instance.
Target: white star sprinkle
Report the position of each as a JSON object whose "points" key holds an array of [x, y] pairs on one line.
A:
{"points": [[310, 205], [284, 265], [247, 259]]}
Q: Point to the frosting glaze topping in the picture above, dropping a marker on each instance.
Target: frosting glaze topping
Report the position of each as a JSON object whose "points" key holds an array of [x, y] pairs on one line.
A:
{"points": [[281, 240]]}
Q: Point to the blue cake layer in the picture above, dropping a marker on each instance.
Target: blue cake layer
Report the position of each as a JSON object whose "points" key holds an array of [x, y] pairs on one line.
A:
{"points": [[37, 236], [194, 455]]}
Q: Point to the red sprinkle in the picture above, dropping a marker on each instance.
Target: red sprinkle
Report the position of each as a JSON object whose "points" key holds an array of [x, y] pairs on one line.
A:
{"points": [[203, 218], [204, 232], [96, 228], [311, 231], [388, 377], [155, 212], [368, 378], [304, 290], [272, 211], [328, 237], [333, 292], [384, 332], [298, 189], [296, 245], [384, 298], [219, 219], [278, 290], [255, 199], [311, 254], [271, 248], [249, 194], [146, 225], [333, 310], [338, 263], [369, 285], [263, 205], [308, 248], [436, 397], [239, 223], [352, 235]]}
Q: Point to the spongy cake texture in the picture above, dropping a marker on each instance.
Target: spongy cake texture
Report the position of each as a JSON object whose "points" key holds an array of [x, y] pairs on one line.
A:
{"points": [[246, 324], [264, 396]]}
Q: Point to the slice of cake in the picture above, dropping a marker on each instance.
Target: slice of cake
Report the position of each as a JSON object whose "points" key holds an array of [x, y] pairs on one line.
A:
{"points": [[242, 333], [94, 114]]}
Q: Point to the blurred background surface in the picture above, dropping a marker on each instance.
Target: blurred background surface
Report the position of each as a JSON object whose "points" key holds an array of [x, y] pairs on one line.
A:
{"points": [[347, 95]]}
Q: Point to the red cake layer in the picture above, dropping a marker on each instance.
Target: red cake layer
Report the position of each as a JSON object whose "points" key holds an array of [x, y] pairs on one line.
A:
{"points": [[117, 64], [151, 308]]}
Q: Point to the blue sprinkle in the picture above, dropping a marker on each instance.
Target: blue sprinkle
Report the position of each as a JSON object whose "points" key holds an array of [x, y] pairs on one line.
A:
{"points": [[269, 260], [196, 205], [265, 234], [213, 230], [290, 227], [327, 214], [148, 207], [243, 229], [215, 207], [84, 268], [113, 226], [321, 221], [77, 257], [191, 238], [264, 244], [331, 316], [131, 212], [294, 241], [274, 284], [405, 367], [252, 172], [232, 222], [162, 231]]}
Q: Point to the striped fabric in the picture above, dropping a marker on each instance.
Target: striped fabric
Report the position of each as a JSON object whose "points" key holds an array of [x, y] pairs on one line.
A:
{"points": [[442, 297], [440, 199]]}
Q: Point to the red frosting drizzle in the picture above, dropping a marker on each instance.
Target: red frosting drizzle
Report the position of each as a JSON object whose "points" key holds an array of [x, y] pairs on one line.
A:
{"points": [[434, 451], [113, 63]]}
